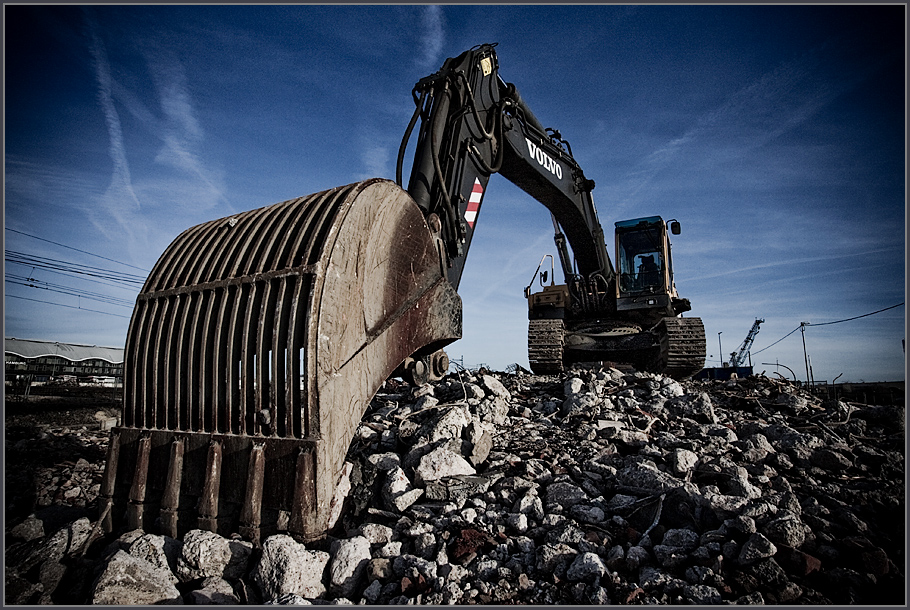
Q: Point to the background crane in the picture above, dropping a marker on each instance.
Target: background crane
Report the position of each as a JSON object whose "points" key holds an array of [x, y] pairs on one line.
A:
{"points": [[738, 357]]}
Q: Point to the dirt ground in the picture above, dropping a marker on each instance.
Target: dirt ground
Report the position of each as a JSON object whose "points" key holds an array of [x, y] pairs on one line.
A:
{"points": [[56, 412], [46, 434]]}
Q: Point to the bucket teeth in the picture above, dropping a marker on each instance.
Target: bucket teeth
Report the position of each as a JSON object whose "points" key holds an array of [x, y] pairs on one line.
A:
{"points": [[136, 508], [302, 520], [251, 513], [208, 503], [170, 501], [106, 497], [255, 346]]}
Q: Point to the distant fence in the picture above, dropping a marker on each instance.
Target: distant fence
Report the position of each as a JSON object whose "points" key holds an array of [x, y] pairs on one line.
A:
{"points": [[870, 393]]}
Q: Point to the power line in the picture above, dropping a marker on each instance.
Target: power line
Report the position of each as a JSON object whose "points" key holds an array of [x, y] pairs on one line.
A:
{"points": [[825, 324], [778, 341], [76, 249], [89, 273], [103, 281], [94, 296], [854, 317], [67, 306], [107, 277], [63, 264], [53, 264]]}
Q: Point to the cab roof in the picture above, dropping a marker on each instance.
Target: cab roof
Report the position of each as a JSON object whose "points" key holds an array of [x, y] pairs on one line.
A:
{"points": [[629, 224]]}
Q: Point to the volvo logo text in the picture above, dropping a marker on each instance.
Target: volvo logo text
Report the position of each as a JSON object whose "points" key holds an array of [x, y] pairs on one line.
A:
{"points": [[544, 159]]}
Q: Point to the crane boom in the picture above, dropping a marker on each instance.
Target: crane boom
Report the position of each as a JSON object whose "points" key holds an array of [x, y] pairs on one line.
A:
{"points": [[739, 356]]}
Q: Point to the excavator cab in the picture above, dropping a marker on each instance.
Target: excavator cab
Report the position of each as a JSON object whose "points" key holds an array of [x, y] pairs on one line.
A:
{"points": [[645, 266]]}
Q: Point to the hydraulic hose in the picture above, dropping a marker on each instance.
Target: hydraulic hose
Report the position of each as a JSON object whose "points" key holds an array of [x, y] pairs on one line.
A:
{"points": [[497, 161], [454, 228], [407, 136], [474, 112]]}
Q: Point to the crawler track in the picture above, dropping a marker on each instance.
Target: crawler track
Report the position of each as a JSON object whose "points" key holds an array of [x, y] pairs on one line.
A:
{"points": [[546, 341], [682, 347]]}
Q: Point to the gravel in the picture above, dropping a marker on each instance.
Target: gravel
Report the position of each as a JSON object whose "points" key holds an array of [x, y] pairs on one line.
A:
{"points": [[597, 486]]}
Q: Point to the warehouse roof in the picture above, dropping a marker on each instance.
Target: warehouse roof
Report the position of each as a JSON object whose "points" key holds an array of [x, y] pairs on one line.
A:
{"points": [[28, 348]]}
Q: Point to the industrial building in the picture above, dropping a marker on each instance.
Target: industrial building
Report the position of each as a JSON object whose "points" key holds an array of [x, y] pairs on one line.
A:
{"points": [[45, 361]]}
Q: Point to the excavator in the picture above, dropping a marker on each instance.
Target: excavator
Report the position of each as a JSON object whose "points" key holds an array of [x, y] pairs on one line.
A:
{"points": [[630, 316], [258, 340]]}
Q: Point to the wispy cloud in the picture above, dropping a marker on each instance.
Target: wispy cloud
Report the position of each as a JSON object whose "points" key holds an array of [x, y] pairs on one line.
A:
{"points": [[432, 36], [122, 212], [181, 134], [752, 117], [515, 260], [29, 181], [135, 106], [175, 99], [376, 161], [791, 262], [119, 202]]}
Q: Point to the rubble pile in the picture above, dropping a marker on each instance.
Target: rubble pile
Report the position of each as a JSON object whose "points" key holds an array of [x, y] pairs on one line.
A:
{"points": [[52, 467], [596, 486]]}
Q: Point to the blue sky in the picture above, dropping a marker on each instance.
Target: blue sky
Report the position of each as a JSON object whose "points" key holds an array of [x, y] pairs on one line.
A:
{"points": [[774, 134]]}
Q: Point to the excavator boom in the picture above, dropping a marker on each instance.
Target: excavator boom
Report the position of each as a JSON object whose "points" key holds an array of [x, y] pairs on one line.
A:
{"points": [[474, 125]]}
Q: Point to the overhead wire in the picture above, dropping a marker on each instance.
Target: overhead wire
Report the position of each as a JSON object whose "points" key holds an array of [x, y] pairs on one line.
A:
{"points": [[854, 317], [107, 277], [68, 290], [825, 324], [76, 249], [107, 313], [778, 341], [95, 280], [52, 264]]}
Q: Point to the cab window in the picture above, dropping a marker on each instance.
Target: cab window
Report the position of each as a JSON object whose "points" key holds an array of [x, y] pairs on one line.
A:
{"points": [[640, 262]]}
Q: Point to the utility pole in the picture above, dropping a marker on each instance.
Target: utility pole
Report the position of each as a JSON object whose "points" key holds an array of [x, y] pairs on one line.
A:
{"points": [[802, 328], [721, 347]]}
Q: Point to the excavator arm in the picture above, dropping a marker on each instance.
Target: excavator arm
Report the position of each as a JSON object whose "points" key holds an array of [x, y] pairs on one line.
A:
{"points": [[473, 124]]}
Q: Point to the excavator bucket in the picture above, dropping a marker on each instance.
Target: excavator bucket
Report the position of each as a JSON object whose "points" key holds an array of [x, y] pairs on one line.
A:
{"points": [[254, 348]]}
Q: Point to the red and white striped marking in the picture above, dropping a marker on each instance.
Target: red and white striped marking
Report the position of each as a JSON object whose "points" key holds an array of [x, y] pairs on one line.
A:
{"points": [[474, 203]]}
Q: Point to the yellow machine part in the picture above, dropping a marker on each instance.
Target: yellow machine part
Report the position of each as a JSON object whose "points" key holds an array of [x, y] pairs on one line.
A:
{"points": [[255, 346]]}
